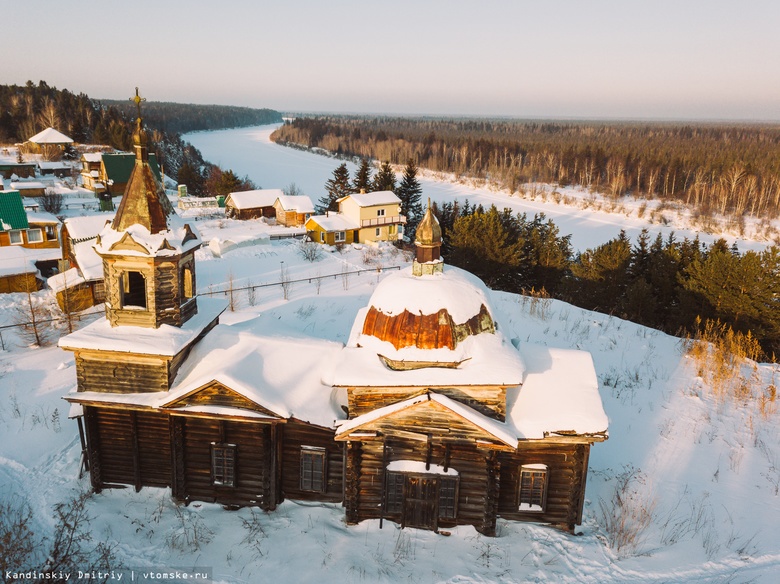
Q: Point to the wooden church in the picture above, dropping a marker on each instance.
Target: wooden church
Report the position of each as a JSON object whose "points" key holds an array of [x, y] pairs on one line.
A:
{"points": [[428, 417]]}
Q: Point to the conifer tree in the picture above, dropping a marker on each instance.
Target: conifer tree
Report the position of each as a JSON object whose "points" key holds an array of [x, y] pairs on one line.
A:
{"points": [[362, 180], [384, 179], [410, 193], [336, 188]]}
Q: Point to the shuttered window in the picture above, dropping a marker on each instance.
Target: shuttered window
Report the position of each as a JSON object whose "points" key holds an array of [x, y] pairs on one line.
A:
{"points": [[533, 487], [448, 498], [313, 476], [394, 496], [223, 464]]}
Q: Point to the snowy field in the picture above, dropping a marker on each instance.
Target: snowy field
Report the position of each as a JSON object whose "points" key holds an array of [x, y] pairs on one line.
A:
{"points": [[694, 478]]}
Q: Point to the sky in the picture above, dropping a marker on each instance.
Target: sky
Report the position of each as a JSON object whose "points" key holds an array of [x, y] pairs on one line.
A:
{"points": [[615, 59]]}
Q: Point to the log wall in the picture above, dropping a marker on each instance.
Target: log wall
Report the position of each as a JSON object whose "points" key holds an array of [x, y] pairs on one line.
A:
{"points": [[567, 466], [254, 472], [296, 435]]}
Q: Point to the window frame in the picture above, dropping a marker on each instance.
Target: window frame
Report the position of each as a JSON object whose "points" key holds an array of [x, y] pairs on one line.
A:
{"points": [[340, 236], [51, 233], [380, 212], [125, 290], [307, 480], [378, 232], [223, 464], [322, 237], [37, 230], [530, 493], [17, 233]]}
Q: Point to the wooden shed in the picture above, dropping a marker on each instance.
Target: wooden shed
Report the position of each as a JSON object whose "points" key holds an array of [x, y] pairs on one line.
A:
{"points": [[252, 204], [293, 211]]}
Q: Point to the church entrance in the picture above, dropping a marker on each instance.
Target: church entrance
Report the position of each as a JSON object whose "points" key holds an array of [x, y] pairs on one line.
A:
{"points": [[420, 506]]}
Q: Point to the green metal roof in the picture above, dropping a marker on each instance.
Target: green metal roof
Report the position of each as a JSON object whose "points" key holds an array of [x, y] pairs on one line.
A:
{"points": [[119, 166], [12, 213]]}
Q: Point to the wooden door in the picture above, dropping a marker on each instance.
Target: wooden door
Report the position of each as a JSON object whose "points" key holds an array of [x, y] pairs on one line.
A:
{"points": [[421, 503]]}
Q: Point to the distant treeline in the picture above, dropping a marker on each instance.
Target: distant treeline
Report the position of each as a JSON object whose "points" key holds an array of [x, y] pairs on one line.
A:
{"points": [[27, 109], [669, 284], [181, 118], [730, 169]]}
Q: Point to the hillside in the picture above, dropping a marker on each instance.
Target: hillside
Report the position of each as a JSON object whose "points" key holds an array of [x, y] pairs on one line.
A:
{"points": [[684, 490], [179, 118]]}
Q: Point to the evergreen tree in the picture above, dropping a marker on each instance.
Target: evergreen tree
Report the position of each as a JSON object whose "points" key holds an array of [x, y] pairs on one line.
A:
{"points": [[191, 176], [410, 193], [336, 188], [221, 182], [485, 245], [601, 275], [384, 179], [362, 180]]}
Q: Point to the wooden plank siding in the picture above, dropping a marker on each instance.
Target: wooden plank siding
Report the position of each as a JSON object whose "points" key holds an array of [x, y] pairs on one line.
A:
{"points": [[489, 400], [109, 371], [296, 435], [566, 470]]}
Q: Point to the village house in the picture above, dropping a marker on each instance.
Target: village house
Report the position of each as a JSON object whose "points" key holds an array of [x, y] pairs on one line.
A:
{"points": [[109, 173], [27, 229], [49, 143], [293, 210], [252, 204], [362, 218], [428, 417], [79, 283]]}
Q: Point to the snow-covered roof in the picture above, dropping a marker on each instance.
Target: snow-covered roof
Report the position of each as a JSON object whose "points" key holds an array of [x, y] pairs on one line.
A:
{"points": [[375, 198], [66, 279], [254, 199], [299, 203], [50, 136], [166, 340], [87, 227], [88, 261], [457, 291], [334, 222], [27, 185], [15, 259], [485, 359], [41, 217], [281, 374], [559, 394], [92, 156], [178, 237]]}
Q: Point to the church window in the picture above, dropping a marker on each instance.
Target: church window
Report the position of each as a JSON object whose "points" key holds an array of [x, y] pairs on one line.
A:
{"points": [[187, 283], [133, 288], [223, 464], [313, 477], [533, 487]]}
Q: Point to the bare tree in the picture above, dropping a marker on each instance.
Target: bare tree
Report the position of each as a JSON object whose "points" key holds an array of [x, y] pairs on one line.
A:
{"points": [[32, 319]]}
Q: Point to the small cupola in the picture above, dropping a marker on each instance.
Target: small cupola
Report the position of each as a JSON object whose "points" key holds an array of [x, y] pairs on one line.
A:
{"points": [[427, 242]]}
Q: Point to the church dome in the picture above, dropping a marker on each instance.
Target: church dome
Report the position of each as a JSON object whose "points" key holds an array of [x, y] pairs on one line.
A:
{"points": [[436, 311]]}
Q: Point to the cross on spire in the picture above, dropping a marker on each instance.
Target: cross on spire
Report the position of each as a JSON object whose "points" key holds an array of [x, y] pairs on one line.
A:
{"points": [[138, 99]]}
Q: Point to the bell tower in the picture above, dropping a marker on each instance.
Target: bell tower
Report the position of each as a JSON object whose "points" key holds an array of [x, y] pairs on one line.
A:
{"points": [[427, 243], [148, 251]]}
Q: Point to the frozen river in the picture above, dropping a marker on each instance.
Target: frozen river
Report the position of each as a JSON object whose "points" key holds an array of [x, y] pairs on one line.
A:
{"points": [[249, 151]]}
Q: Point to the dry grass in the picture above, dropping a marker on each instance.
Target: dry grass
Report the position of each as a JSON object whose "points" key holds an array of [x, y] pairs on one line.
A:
{"points": [[726, 361]]}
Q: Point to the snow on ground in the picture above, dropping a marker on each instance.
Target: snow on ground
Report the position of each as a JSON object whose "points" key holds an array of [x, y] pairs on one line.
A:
{"points": [[701, 472], [706, 472], [590, 219]]}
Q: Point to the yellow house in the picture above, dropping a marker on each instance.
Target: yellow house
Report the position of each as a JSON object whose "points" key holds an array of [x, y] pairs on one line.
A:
{"points": [[378, 214], [362, 218], [332, 229]]}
